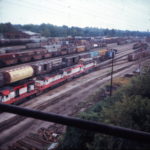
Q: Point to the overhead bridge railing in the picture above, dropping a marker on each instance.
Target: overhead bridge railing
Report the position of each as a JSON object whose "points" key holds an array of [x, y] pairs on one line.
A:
{"points": [[79, 123]]}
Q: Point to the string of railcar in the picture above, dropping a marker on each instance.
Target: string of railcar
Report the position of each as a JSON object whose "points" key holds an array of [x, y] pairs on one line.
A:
{"points": [[28, 87]]}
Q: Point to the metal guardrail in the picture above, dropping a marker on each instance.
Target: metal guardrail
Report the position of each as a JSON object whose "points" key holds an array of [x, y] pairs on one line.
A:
{"points": [[79, 123]]}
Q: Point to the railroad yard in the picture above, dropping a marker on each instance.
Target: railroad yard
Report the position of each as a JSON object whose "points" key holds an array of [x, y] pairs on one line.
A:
{"points": [[58, 76]]}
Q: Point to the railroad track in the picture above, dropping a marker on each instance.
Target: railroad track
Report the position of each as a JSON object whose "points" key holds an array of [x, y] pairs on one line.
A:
{"points": [[9, 124], [108, 62], [26, 142], [101, 67]]}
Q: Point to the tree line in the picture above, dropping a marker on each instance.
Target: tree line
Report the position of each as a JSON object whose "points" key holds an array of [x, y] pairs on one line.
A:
{"points": [[49, 30]]}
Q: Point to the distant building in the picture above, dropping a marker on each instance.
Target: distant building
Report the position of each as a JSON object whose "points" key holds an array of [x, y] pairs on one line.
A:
{"points": [[21, 34], [15, 35], [32, 34]]}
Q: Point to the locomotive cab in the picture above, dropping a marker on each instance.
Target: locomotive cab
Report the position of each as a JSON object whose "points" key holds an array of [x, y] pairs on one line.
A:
{"points": [[6, 95]]}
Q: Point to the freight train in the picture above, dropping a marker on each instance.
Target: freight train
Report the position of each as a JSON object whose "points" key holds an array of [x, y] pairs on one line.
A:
{"points": [[140, 46], [44, 48], [20, 48], [14, 58], [30, 88], [10, 42], [46, 66], [37, 51], [22, 57], [138, 55]]}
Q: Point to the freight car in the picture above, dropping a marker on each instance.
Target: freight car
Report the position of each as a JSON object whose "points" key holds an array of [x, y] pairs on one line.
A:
{"points": [[71, 60], [103, 54], [21, 57], [138, 55], [42, 67], [34, 52], [33, 45], [80, 48], [16, 74], [52, 65], [27, 71], [84, 55], [140, 45], [94, 54], [10, 42], [12, 49], [16, 93], [7, 59], [20, 48]]}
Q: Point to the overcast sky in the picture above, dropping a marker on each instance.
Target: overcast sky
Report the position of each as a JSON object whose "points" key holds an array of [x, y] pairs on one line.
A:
{"points": [[118, 14]]}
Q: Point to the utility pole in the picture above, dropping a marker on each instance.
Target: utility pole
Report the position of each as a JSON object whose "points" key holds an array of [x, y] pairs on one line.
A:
{"points": [[140, 61], [112, 69]]}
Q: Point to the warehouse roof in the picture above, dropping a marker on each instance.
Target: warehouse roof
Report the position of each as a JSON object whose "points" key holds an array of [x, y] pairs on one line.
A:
{"points": [[30, 33]]}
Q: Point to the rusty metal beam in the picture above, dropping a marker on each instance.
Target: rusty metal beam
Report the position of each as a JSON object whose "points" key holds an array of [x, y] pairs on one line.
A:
{"points": [[78, 123]]}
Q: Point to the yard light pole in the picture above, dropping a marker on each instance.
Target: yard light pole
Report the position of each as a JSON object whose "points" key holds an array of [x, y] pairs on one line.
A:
{"points": [[112, 69]]}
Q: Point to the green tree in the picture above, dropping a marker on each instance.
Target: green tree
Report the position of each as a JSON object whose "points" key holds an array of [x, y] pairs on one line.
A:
{"points": [[132, 112], [53, 30]]}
